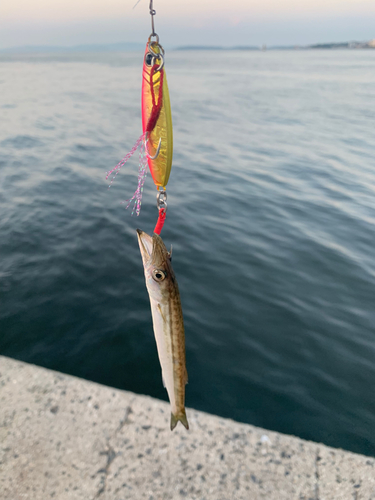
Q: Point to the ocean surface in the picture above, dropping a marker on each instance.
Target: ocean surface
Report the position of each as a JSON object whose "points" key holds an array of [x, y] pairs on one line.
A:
{"points": [[271, 217]]}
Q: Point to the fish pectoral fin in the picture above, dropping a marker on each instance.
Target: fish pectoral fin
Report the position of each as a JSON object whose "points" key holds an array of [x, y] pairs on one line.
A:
{"points": [[161, 312]]}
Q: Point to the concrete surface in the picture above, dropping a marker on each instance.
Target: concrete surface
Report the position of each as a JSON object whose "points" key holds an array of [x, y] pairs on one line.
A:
{"points": [[65, 438]]}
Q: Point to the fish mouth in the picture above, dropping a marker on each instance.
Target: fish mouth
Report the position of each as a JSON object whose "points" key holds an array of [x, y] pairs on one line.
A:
{"points": [[152, 249], [145, 245]]}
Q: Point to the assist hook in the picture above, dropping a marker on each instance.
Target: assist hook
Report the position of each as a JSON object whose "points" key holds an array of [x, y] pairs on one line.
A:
{"points": [[157, 149]]}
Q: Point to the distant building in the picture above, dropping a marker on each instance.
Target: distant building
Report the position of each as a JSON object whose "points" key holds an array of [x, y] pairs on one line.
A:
{"points": [[371, 43]]}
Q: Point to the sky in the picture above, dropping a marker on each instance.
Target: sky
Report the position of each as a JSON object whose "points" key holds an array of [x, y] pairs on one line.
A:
{"points": [[190, 22]]}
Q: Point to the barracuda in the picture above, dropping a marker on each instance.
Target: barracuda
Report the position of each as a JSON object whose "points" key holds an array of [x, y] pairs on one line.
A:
{"points": [[167, 321]]}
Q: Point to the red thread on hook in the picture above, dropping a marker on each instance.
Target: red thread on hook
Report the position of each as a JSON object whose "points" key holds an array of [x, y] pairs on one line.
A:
{"points": [[160, 222], [156, 108]]}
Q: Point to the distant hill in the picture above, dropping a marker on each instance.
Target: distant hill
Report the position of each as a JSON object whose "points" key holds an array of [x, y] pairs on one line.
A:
{"points": [[342, 45], [345, 45]]}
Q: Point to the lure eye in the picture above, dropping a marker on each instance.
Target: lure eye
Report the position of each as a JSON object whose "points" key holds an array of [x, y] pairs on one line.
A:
{"points": [[159, 275], [148, 59]]}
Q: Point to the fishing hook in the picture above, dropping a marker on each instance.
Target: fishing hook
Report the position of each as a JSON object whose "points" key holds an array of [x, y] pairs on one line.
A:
{"points": [[157, 150]]}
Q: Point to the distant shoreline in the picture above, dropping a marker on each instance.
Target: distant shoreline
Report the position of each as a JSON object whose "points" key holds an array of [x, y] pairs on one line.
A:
{"points": [[324, 46], [131, 47]]}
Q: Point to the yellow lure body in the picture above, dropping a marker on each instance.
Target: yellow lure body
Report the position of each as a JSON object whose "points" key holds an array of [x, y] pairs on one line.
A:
{"points": [[161, 135]]}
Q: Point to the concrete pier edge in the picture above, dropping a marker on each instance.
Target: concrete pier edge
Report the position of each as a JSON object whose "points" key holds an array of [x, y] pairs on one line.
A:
{"points": [[66, 438]]}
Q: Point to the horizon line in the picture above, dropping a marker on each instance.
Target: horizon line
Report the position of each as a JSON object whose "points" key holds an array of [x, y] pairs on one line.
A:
{"points": [[91, 47]]}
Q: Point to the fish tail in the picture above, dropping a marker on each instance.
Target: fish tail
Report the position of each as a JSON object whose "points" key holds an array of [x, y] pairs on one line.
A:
{"points": [[180, 417]]}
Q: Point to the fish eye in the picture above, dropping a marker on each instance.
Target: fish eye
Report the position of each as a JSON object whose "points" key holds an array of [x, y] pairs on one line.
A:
{"points": [[159, 275]]}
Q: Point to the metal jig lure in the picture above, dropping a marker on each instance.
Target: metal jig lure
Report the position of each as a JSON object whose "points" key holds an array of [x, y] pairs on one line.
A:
{"points": [[156, 141]]}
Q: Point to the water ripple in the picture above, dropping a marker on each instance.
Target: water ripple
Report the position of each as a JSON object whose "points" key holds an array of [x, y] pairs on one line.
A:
{"points": [[271, 219]]}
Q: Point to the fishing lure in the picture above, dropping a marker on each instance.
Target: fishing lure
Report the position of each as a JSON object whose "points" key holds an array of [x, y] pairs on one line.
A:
{"points": [[156, 141]]}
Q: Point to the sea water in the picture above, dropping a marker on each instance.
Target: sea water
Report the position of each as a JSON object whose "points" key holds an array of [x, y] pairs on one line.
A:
{"points": [[271, 217]]}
